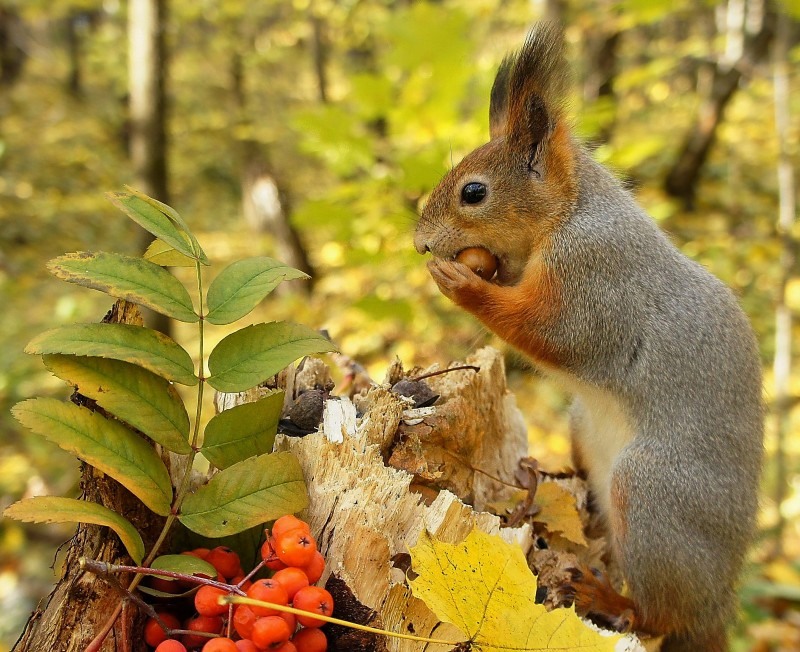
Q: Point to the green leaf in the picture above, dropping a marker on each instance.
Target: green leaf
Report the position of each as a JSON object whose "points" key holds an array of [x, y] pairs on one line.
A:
{"points": [[242, 431], [153, 219], [186, 564], [135, 344], [127, 277], [137, 396], [249, 493], [160, 253], [55, 509], [107, 445], [251, 355], [241, 286]]}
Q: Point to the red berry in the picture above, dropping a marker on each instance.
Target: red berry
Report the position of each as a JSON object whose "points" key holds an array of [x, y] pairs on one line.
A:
{"points": [[315, 600], [289, 618], [286, 647], [206, 601], [243, 620], [315, 569], [165, 584], [270, 558], [225, 560], [310, 640], [246, 645], [154, 633], [289, 522], [296, 548], [209, 624], [220, 645], [270, 632], [293, 579], [268, 591], [171, 645]]}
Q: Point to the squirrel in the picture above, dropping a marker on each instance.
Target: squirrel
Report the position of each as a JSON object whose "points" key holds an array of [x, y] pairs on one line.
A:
{"points": [[667, 418]]}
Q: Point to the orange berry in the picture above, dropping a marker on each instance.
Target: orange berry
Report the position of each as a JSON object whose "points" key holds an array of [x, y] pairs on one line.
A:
{"points": [[315, 600], [268, 555], [310, 640], [209, 624], [289, 522], [268, 591], [315, 569], [286, 647], [270, 632], [246, 645], [243, 620], [296, 548], [171, 645], [154, 633], [200, 553], [206, 601], [164, 584], [220, 645], [289, 618], [293, 579], [225, 560]]}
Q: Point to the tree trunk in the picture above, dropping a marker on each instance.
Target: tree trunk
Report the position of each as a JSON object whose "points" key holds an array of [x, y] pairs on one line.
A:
{"points": [[12, 53], [82, 603], [783, 316], [683, 177], [147, 71]]}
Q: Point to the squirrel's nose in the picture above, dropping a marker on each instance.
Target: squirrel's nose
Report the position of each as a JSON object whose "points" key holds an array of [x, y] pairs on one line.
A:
{"points": [[421, 244]]}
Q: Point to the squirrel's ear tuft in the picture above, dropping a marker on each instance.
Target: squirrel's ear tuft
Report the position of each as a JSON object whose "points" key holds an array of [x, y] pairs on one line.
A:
{"points": [[498, 103], [536, 89]]}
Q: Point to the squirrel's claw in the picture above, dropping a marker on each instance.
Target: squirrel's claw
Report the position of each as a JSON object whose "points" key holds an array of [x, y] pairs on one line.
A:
{"points": [[456, 281], [594, 598]]}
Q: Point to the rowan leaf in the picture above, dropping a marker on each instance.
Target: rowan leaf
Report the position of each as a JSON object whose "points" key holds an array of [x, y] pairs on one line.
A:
{"points": [[242, 431], [160, 253], [135, 344], [483, 586], [55, 509], [559, 512], [240, 287], [137, 396], [251, 355], [107, 445], [186, 564], [249, 493], [127, 277]]}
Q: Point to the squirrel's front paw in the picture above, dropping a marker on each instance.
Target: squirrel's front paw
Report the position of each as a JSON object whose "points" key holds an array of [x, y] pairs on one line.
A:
{"points": [[594, 597], [458, 282]]}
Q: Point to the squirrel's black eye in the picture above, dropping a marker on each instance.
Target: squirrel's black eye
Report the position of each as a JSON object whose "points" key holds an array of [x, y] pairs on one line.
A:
{"points": [[473, 193]]}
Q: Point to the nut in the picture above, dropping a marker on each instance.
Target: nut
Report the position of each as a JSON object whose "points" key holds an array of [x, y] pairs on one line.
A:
{"points": [[481, 261]]}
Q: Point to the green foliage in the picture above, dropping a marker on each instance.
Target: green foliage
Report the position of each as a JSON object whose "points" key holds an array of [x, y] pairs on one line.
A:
{"points": [[127, 371]]}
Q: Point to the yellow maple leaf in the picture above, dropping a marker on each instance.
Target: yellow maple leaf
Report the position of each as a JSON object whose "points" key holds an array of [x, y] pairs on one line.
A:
{"points": [[558, 512], [484, 587]]}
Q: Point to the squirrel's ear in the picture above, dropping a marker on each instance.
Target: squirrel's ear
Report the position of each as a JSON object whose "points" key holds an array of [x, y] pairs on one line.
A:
{"points": [[536, 90], [498, 103]]}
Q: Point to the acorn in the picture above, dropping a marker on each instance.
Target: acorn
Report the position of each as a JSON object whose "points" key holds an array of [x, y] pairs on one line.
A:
{"points": [[481, 261]]}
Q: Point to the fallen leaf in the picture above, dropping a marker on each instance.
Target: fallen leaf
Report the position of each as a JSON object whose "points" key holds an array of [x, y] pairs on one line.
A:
{"points": [[558, 512], [483, 586]]}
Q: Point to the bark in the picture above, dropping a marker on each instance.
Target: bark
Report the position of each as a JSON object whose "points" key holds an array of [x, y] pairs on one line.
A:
{"points": [[783, 315], [147, 71], [684, 175], [82, 603]]}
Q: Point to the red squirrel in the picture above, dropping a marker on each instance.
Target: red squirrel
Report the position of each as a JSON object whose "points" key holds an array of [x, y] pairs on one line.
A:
{"points": [[662, 362]]}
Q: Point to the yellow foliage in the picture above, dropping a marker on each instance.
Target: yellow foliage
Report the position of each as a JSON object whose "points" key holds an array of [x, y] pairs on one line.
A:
{"points": [[484, 587], [558, 512]]}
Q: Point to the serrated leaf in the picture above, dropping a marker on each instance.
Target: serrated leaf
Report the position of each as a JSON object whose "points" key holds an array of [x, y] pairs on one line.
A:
{"points": [[135, 344], [55, 509], [107, 445], [251, 355], [242, 431], [127, 277], [484, 587], [244, 495], [154, 220], [186, 564], [160, 253], [559, 512], [239, 288], [137, 396]]}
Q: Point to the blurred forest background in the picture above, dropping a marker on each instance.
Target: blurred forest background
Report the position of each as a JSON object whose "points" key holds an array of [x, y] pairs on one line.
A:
{"points": [[311, 131]]}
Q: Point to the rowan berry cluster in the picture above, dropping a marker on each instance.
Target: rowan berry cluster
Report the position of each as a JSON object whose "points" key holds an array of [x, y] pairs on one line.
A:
{"points": [[290, 552]]}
